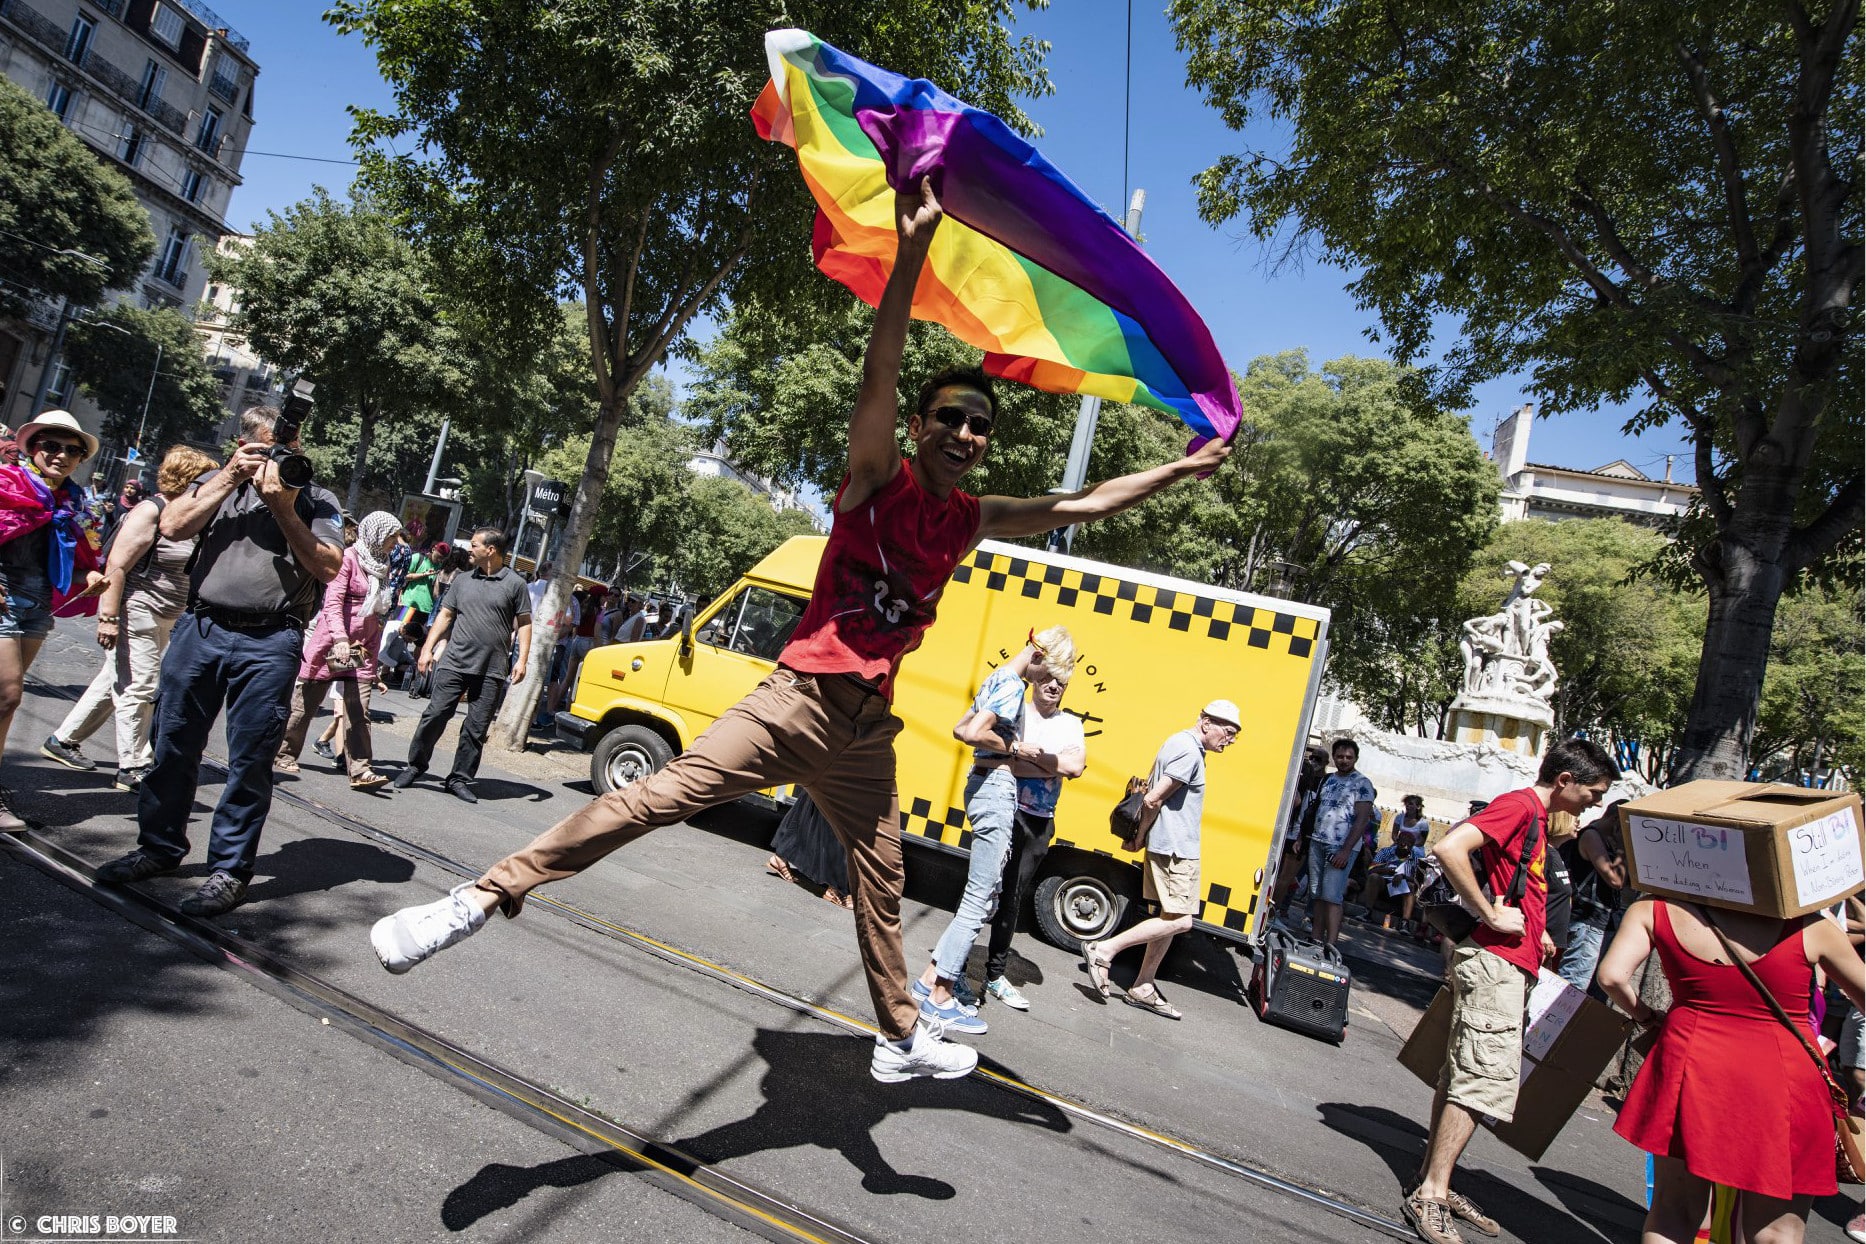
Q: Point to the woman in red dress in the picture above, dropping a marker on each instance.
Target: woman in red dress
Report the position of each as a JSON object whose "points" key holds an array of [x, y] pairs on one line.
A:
{"points": [[1728, 1095]]}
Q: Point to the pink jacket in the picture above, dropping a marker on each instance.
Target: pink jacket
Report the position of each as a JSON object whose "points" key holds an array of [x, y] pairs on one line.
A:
{"points": [[342, 617]]}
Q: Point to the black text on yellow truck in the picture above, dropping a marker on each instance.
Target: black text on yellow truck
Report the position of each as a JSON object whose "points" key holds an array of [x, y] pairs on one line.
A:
{"points": [[1152, 650]]}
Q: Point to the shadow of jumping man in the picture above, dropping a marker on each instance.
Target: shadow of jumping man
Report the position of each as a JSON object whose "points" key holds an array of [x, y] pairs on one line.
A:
{"points": [[816, 1092]]}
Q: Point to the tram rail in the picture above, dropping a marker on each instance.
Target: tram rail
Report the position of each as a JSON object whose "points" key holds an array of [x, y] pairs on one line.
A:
{"points": [[682, 1174]]}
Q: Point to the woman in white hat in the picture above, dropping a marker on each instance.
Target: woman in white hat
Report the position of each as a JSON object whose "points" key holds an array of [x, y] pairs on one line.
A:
{"points": [[48, 553]]}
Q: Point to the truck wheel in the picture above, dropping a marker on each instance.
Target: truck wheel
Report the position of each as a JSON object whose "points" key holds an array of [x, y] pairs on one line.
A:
{"points": [[627, 754], [1077, 906]]}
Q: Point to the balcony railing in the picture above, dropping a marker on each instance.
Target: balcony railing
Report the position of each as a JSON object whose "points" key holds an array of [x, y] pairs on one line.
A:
{"points": [[41, 29], [118, 83], [227, 88], [214, 21]]}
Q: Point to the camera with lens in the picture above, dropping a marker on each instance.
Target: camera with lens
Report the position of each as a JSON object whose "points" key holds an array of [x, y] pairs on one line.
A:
{"points": [[294, 467]]}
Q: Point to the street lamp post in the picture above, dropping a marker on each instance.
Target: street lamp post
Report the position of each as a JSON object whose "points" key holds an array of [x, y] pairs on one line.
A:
{"points": [[142, 424]]}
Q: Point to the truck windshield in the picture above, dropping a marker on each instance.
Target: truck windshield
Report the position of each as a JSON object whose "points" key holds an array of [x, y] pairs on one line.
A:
{"points": [[757, 622]]}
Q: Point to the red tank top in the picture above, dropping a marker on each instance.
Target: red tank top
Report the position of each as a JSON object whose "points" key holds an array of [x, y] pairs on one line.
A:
{"points": [[880, 580]]}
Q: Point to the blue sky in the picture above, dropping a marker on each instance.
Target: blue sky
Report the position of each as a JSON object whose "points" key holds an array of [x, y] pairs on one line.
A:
{"points": [[308, 74]]}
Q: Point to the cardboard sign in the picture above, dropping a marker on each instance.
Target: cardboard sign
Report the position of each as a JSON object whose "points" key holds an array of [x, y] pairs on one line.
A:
{"points": [[1826, 856], [1681, 858]]}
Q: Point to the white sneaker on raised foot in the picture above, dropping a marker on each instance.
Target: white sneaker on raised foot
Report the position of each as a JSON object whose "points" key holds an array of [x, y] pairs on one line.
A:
{"points": [[926, 1055], [414, 933]]}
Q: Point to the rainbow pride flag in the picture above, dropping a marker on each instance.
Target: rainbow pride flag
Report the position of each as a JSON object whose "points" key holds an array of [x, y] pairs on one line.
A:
{"points": [[1026, 267]]}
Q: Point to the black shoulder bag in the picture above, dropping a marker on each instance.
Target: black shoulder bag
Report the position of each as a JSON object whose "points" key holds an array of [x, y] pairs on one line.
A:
{"points": [[1439, 904]]}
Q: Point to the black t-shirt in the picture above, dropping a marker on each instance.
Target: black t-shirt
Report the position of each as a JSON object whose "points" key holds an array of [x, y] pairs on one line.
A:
{"points": [[485, 608], [244, 562], [1561, 895]]}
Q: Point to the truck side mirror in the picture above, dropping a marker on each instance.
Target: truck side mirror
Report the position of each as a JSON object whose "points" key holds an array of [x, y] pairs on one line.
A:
{"points": [[686, 633]]}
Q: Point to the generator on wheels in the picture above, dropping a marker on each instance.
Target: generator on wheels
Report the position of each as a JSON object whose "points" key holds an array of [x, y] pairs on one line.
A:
{"points": [[1301, 985]]}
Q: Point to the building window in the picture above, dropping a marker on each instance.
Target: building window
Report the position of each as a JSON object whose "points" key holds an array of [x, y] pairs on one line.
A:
{"points": [[59, 391], [78, 46], [172, 265], [130, 144], [166, 25], [207, 138], [58, 99], [191, 182], [154, 76]]}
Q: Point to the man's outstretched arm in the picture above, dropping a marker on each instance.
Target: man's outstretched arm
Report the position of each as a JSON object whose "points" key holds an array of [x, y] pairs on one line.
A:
{"points": [[1008, 517], [874, 451]]}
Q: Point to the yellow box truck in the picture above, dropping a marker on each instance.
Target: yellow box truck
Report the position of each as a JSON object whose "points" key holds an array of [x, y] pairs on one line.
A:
{"points": [[1152, 650]]}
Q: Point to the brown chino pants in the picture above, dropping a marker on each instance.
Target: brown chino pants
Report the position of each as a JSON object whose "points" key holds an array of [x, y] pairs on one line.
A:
{"points": [[830, 734]]}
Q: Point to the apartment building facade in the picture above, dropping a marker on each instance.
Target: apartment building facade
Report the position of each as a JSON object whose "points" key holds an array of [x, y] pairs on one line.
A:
{"points": [[162, 90]]}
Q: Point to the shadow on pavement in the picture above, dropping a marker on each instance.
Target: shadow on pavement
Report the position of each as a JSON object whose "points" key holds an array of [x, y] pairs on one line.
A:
{"points": [[1399, 1141], [308, 865], [1594, 1202], [496, 1186], [500, 788]]}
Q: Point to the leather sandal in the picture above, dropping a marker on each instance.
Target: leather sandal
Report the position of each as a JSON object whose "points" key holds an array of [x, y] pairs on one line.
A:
{"points": [[1152, 1001], [845, 901], [1097, 967], [778, 868]]}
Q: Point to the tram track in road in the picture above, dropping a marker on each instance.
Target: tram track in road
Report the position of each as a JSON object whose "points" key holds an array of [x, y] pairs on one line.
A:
{"points": [[550, 1112]]}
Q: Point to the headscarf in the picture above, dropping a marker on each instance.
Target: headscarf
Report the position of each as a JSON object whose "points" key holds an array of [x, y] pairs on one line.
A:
{"points": [[372, 536]]}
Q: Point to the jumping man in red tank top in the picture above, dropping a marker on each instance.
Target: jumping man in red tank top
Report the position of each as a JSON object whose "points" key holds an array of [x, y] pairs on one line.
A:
{"points": [[823, 720]]}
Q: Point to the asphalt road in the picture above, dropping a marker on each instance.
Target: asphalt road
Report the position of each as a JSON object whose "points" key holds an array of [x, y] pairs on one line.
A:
{"points": [[136, 1079]]}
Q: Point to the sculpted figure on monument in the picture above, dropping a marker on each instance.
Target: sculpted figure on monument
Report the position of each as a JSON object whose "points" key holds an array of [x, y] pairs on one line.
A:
{"points": [[1506, 653]]}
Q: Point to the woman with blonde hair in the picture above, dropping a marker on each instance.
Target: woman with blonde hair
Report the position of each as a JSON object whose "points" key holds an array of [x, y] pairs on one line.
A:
{"points": [[342, 648], [145, 591], [994, 728]]}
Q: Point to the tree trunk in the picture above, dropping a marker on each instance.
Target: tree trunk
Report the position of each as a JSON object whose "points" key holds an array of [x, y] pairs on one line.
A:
{"points": [[514, 725], [365, 434], [1743, 596]]}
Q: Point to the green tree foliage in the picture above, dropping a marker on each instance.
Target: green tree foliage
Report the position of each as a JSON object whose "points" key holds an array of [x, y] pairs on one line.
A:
{"points": [[61, 208], [333, 292], [1644, 200], [603, 146], [113, 355], [1627, 652], [728, 528], [1811, 717]]}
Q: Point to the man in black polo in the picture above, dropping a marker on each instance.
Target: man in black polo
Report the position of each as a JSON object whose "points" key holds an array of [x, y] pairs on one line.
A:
{"points": [[265, 549], [476, 620]]}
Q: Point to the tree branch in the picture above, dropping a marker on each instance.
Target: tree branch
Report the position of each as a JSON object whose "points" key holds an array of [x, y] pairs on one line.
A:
{"points": [[1819, 538], [1729, 166]]}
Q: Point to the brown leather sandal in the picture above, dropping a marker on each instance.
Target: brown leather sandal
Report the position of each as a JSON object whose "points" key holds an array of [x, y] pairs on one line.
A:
{"points": [[778, 868], [1152, 1001]]}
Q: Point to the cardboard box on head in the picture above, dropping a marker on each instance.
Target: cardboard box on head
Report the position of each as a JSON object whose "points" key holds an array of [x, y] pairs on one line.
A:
{"points": [[1778, 851]]}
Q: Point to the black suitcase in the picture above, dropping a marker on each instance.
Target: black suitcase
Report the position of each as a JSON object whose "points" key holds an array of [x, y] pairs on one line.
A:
{"points": [[1301, 985]]}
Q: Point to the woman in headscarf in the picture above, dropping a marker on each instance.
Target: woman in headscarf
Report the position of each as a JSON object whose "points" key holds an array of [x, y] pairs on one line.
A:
{"points": [[48, 554], [341, 648]]}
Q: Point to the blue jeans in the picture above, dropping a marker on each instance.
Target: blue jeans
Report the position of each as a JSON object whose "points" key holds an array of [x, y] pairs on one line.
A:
{"points": [[1582, 955], [27, 611], [990, 806], [1327, 884], [251, 673]]}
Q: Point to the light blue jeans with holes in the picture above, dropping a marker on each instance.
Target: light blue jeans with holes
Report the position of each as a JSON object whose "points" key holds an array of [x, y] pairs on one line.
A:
{"points": [[990, 807]]}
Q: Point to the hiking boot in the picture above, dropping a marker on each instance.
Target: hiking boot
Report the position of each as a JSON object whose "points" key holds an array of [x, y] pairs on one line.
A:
{"points": [[405, 777], [1465, 1208], [1004, 991], [219, 894], [1432, 1220], [132, 779], [462, 790], [416, 933], [926, 1055], [66, 754], [138, 865]]}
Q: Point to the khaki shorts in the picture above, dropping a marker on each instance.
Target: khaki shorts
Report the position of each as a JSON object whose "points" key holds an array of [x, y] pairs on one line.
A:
{"points": [[1485, 1056], [1172, 881]]}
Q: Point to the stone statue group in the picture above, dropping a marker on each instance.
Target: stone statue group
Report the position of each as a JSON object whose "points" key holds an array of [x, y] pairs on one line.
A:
{"points": [[1506, 654]]}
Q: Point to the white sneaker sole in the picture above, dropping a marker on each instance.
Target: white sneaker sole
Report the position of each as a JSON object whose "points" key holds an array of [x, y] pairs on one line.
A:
{"points": [[380, 935], [901, 1077]]}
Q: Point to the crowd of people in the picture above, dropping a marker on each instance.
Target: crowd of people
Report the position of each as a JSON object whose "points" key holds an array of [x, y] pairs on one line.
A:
{"points": [[231, 594]]}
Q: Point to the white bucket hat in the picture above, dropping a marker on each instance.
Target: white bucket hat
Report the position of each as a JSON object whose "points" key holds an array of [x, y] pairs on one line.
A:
{"points": [[61, 420], [1225, 711]]}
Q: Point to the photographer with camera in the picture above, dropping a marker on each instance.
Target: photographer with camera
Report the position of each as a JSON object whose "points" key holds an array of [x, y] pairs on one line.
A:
{"points": [[269, 538]]}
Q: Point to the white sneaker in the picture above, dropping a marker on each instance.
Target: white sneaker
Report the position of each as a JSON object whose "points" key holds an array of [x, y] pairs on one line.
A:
{"points": [[414, 933], [929, 1055]]}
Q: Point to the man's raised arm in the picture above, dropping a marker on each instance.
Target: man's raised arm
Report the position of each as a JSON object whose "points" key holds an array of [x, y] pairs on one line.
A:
{"points": [[1008, 517], [874, 450]]}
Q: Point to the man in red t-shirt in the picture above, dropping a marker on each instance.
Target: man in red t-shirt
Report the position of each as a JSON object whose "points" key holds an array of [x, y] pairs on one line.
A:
{"points": [[1491, 969], [824, 720]]}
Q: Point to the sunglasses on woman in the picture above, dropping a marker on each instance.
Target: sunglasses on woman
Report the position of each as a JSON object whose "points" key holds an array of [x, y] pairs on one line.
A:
{"points": [[955, 418], [53, 449]]}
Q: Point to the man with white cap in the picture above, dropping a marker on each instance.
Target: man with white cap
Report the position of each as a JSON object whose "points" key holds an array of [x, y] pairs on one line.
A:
{"points": [[1174, 804]]}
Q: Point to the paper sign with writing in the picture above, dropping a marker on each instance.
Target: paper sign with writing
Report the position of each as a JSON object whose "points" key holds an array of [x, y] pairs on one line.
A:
{"points": [[1827, 857], [1552, 1003], [1697, 859]]}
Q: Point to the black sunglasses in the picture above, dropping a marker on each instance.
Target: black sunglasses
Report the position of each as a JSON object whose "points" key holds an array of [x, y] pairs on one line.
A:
{"points": [[955, 418], [51, 448]]}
